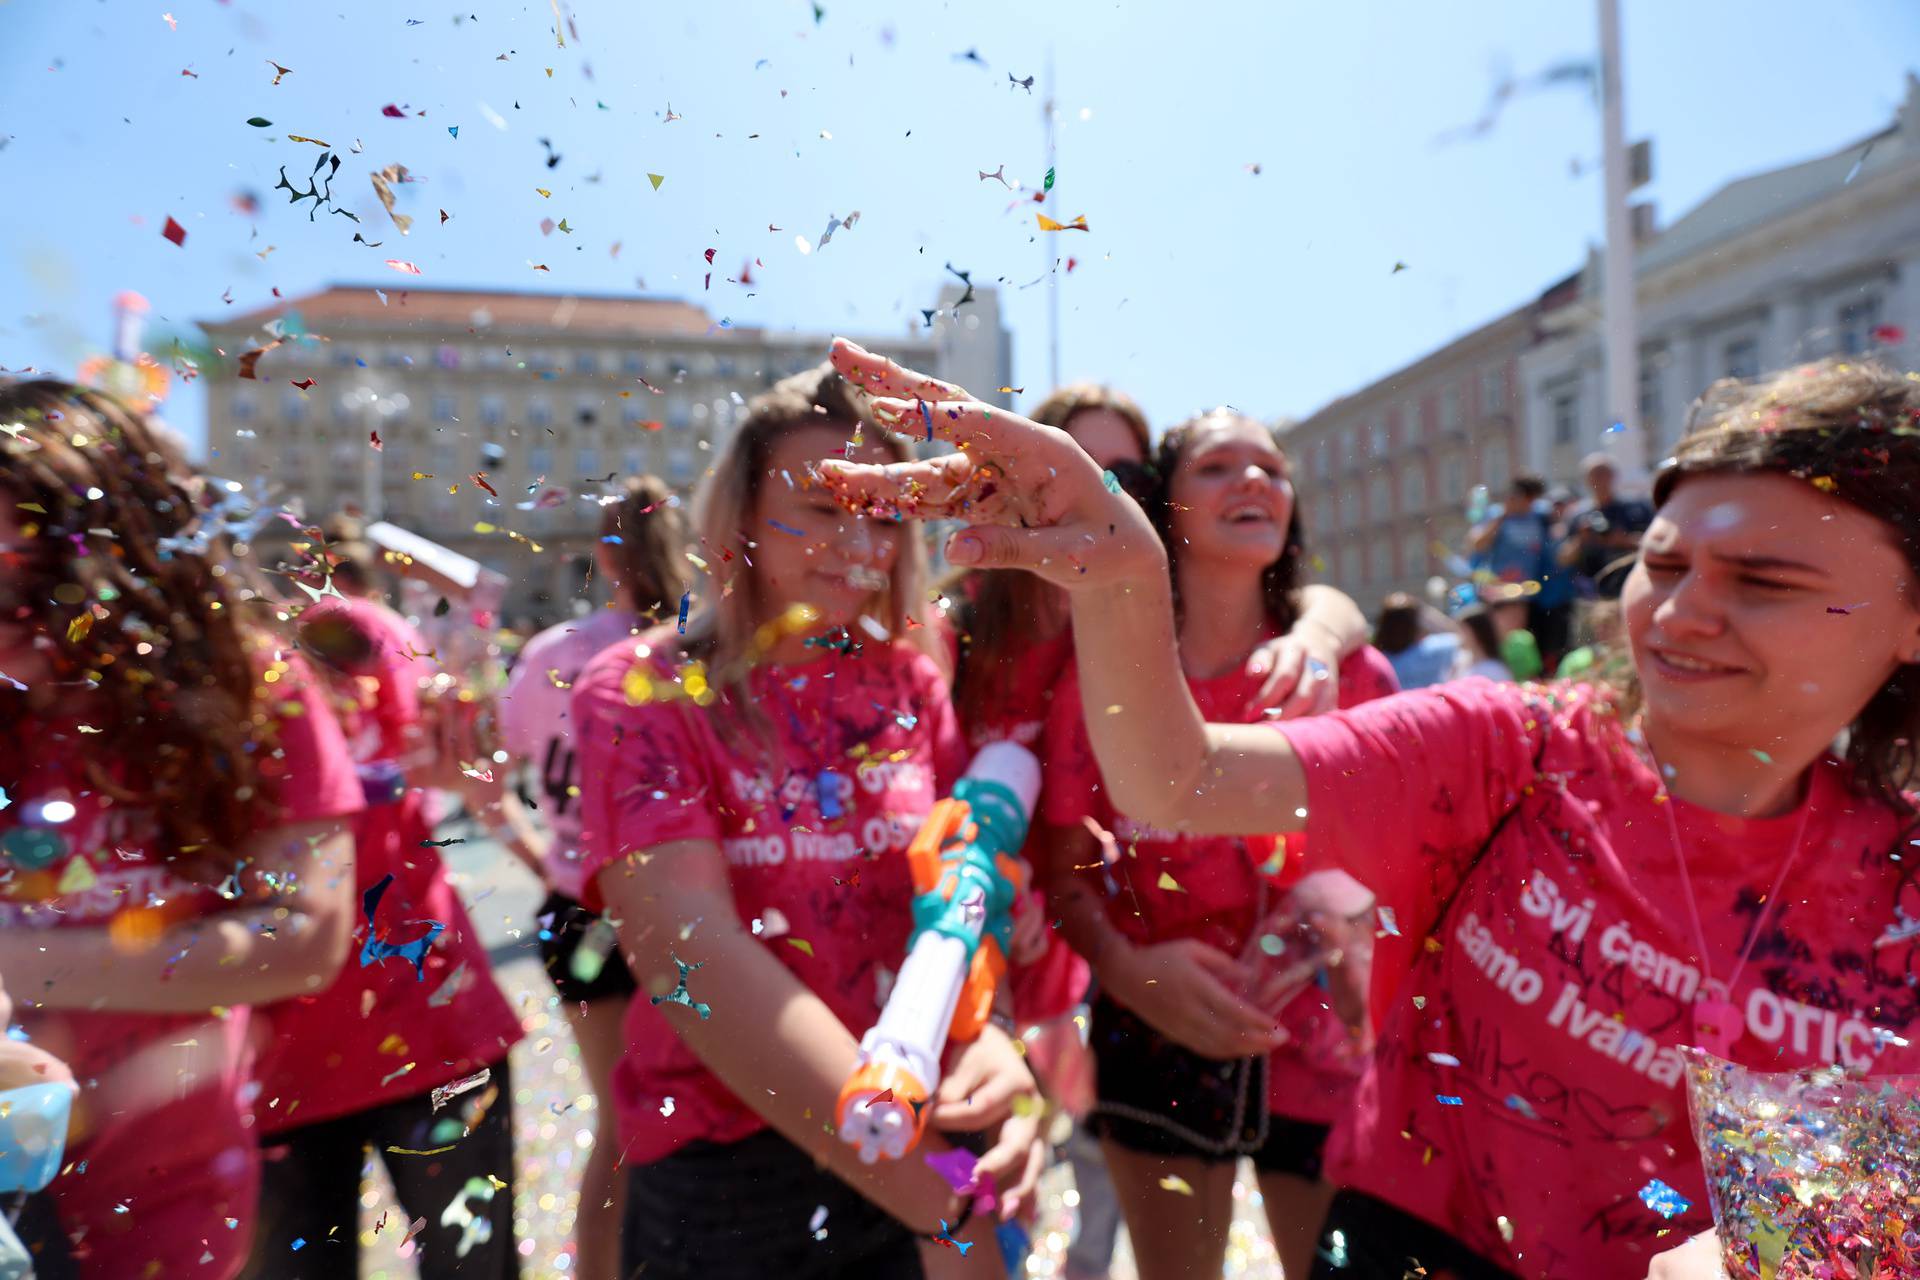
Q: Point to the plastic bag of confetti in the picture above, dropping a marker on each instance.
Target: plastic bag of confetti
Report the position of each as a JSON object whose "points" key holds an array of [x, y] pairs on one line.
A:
{"points": [[1812, 1174], [1314, 952]]}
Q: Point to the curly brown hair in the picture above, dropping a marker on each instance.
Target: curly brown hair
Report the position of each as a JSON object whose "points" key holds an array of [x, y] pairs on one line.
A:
{"points": [[117, 587], [1850, 428], [651, 550]]}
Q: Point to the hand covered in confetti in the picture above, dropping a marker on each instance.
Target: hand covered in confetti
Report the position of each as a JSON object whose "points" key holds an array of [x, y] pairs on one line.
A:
{"points": [[1697, 1259], [1191, 993], [1298, 683], [986, 1084], [1031, 497]]}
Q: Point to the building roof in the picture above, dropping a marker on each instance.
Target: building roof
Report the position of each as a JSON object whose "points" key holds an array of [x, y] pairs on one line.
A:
{"points": [[594, 315]]}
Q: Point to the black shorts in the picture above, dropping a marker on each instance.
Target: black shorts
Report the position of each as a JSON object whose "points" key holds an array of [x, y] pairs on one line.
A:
{"points": [[560, 939], [746, 1210], [1162, 1099], [1552, 628], [1368, 1239]]}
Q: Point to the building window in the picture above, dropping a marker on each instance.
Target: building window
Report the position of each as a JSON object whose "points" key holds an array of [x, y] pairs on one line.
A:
{"points": [[1350, 572], [445, 407], [1649, 397], [242, 408], [586, 461], [1493, 391], [633, 362], [1382, 566], [1413, 554], [394, 358], [1740, 358], [1566, 416], [1413, 488], [586, 410], [1453, 479], [679, 415], [633, 460], [1495, 464], [294, 407], [539, 460], [680, 465], [1322, 458], [539, 412], [586, 362], [447, 357], [493, 410], [1858, 320], [1450, 408], [1377, 438], [1380, 497], [1350, 507]]}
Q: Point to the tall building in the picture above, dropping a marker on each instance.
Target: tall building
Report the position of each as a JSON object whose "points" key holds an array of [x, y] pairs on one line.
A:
{"points": [[1383, 474], [545, 397], [1811, 259]]}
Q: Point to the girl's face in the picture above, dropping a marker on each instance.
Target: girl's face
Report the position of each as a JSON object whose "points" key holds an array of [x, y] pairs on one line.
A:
{"points": [[1762, 611], [1106, 437], [808, 550], [1232, 497]]}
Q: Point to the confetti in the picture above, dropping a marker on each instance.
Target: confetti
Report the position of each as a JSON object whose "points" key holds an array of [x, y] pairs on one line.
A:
{"points": [[1664, 1200], [679, 994], [1388, 927], [686, 605], [279, 72], [666, 1106], [260, 122], [1168, 883], [1448, 1100], [801, 945], [946, 1238], [406, 267], [1048, 224], [378, 948], [1443, 1060], [1175, 1183], [445, 1093], [656, 179], [174, 231]]}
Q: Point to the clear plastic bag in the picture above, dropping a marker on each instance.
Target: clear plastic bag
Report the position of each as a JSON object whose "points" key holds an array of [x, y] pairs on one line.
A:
{"points": [[1310, 961], [1810, 1174]]}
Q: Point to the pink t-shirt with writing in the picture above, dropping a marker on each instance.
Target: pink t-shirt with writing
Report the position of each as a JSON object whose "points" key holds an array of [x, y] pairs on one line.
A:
{"points": [[159, 1125], [1214, 889], [380, 1032], [1561, 973], [535, 727], [815, 838]]}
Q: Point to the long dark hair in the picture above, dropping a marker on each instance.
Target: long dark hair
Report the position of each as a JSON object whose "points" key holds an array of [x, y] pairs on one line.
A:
{"points": [[1850, 428], [1281, 581], [136, 599], [652, 546]]}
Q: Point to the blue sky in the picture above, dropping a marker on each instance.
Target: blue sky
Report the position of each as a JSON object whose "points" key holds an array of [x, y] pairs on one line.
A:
{"points": [[1199, 283]]}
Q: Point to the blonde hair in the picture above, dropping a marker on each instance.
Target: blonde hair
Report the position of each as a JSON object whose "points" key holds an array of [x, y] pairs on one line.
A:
{"points": [[730, 632], [1064, 404]]}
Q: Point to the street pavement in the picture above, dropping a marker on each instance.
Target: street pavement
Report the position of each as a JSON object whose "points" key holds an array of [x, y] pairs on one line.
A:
{"points": [[555, 1123]]}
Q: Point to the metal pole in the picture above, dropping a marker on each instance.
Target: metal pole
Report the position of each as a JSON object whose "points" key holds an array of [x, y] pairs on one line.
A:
{"points": [[370, 466], [1623, 438], [1051, 244]]}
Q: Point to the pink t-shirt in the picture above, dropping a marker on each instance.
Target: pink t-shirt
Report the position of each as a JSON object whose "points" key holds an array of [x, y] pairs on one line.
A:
{"points": [[1052, 985], [1515, 832], [380, 1032], [535, 727], [815, 839], [160, 1123], [1211, 888]]}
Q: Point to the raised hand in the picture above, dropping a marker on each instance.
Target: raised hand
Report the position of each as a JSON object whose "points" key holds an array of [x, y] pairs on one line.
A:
{"points": [[1030, 497]]}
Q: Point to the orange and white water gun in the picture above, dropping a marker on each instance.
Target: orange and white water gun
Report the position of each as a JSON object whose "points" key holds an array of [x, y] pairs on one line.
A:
{"points": [[967, 874]]}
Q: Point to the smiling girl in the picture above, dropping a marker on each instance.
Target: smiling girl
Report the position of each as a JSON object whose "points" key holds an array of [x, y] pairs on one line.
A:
{"points": [[1597, 876], [749, 789], [1189, 1077]]}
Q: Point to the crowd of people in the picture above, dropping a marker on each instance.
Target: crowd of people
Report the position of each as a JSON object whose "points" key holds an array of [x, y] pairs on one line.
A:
{"points": [[1418, 918]]}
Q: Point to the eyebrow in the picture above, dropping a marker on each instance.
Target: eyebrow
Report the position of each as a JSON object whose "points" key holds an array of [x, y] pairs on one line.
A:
{"points": [[1760, 562]]}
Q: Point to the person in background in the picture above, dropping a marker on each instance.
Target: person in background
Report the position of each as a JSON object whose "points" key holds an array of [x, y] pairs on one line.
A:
{"points": [[1191, 1073], [749, 788], [1603, 530], [1012, 646], [1517, 547], [1420, 656], [357, 1065], [173, 836], [1480, 655], [642, 556]]}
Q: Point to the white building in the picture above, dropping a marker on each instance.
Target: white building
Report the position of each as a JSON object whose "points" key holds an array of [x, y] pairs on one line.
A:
{"points": [[1813, 259], [544, 395]]}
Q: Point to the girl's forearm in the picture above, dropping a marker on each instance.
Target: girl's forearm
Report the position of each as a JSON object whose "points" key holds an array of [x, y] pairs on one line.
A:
{"points": [[1330, 624]]}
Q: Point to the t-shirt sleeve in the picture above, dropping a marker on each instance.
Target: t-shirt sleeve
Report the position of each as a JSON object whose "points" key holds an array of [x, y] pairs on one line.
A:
{"points": [[950, 755], [309, 775], [1404, 783], [516, 715], [645, 775], [1073, 785], [1366, 676]]}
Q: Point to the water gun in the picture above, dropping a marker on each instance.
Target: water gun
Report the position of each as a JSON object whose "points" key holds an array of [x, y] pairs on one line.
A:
{"points": [[967, 874]]}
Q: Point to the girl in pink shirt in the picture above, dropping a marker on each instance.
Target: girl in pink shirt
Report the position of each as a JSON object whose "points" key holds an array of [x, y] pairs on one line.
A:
{"points": [[1189, 1079], [356, 1065], [749, 790], [642, 553], [1595, 875], [171, 832]]}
